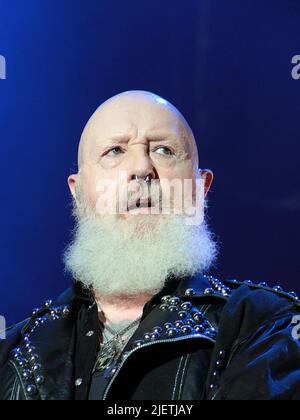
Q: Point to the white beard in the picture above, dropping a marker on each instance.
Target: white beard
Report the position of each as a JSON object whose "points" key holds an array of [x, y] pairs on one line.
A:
{"points": [[119, 257]]}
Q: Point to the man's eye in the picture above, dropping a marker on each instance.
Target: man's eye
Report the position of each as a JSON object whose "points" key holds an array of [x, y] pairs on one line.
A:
{"points": [[169, 151], [109, 153]]}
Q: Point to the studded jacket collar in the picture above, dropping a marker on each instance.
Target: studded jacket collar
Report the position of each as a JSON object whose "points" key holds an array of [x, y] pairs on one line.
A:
{"points": [[195, 341]]}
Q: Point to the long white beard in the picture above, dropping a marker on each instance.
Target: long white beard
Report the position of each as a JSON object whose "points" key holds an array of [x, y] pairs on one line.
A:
{"points": [[116, 256]]}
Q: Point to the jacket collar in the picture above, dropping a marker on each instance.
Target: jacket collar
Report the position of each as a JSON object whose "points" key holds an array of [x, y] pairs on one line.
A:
{"points": [[194, 286], [51, 333]]}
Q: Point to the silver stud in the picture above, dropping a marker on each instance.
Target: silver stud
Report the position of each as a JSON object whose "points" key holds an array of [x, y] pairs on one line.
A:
{"points": [[16, 353], [175, 301], [168, 325], [209, 291], [57, 311], [40, 379], [171, 332], [278, 289], [190, 322], [165, 299], [186, 329], [226, 291], [155, 336], [31, 389], [36, 367], [48, 303], [250, 282], [138, 344], [157, 330], [198, 316], [178, 324], [173, 308], [147, 336], [164, 307], [293, 295], [65, 311], [190, 292], [33, 358], [199, 329], [219, 364], [35, 311], [22, 362], [186, 306], [90, 334], [26, 374], [263, 284], [182, 314], [222, 354], [78, 382]]}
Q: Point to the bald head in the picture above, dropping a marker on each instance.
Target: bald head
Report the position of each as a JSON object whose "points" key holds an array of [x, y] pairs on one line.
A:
{"points": [[136, 114]]}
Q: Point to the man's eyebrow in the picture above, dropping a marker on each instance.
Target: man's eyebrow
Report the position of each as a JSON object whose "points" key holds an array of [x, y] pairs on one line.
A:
{"points": [[156, 136], [120, 138]]}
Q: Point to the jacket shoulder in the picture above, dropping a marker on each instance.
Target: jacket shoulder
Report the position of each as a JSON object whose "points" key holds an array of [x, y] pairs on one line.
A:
{"points": [[256, 334], [20, 363], [251, 306], [262, 293]]}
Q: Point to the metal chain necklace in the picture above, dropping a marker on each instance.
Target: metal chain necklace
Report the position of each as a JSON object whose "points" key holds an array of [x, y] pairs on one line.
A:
{"points": [[112, 349]]}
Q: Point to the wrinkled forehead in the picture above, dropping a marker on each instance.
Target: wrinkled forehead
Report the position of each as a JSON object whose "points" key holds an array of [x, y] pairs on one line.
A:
{"points": [[137, 118]]}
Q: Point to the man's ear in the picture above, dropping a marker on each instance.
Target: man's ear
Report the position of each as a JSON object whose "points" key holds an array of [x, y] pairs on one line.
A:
{"points": [[72, 182], [208, 177]]}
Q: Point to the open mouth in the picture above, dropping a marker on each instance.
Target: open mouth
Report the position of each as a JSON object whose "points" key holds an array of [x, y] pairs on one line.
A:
{"points": [[139, 204]]}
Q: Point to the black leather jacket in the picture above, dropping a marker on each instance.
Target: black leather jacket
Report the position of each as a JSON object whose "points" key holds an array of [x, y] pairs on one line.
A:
{"points": [[202, 340]]}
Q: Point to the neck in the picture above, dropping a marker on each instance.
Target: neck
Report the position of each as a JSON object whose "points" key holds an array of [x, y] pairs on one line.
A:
{"points": [[121, 309]]}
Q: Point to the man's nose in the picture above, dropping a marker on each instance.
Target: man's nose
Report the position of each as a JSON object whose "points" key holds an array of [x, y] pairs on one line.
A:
{"points": [[141, 167]]}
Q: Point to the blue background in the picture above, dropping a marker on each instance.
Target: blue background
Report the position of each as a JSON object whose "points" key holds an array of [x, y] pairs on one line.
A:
{"points": [[225, 64]]}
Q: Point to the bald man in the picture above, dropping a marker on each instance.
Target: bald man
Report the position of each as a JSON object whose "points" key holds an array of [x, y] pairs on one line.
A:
{"points": [[143, 318]]}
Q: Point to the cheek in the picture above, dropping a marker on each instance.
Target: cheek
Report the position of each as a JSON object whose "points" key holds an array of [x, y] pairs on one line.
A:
{"points": [[107, 163], [181, 184], [88, 186], [180, 173]]}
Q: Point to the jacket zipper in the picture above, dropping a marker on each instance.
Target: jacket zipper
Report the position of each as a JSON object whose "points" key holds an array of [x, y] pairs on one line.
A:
{"points": [[148, 345]]}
